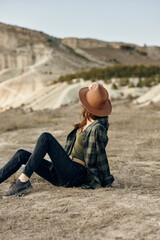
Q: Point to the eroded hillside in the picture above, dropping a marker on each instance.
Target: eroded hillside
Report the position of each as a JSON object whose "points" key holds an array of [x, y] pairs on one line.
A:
{"points": [[30, 61]]}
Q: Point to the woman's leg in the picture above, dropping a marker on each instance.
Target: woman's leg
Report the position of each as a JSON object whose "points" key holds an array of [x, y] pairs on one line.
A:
{"points": [[66, 169], [45, 169], [18, 159], [69, 173]]}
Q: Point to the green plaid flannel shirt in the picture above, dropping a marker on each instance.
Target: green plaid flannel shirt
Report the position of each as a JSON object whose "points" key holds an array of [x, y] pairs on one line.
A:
{"points": [[94, 139]]}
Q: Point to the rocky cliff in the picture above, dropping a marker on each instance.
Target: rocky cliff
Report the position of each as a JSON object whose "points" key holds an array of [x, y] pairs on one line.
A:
{"points": [[111, 53], [20, 47]]}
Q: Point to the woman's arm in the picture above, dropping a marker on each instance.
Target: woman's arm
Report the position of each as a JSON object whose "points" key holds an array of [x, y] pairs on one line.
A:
{"points": [[102, 160]]}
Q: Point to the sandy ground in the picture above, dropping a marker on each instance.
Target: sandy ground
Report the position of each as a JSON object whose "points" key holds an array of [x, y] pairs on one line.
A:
{"points": [[49, 212]]}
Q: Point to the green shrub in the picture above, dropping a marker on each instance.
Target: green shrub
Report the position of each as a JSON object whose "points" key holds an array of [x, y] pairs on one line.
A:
{"points": [[114, 86], [131, 85], [107, 73], [142, 53], [123, 82], [140, 84], [151, 75], [148, 82]]}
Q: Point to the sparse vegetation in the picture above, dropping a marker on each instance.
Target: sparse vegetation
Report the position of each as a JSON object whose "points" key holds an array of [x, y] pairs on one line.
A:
{"points": [[127, 47], [123, 82], [142, 53], [114, 86], [148, 81], [131, 85], [150, 74]]}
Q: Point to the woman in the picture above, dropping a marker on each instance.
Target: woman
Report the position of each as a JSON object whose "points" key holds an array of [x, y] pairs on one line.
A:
{"points": [[83, 162]]}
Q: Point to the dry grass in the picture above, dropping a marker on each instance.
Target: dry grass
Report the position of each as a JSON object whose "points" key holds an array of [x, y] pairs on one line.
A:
{"points": [[132, 212], [21, 119]]}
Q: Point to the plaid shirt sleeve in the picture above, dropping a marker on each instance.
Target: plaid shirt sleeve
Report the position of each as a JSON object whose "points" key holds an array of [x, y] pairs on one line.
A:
{"points": [[96, 156], [102, 160]]}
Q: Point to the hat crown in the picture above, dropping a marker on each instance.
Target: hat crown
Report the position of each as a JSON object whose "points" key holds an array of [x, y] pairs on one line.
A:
{"points": [[97, 96], [95, 100]]}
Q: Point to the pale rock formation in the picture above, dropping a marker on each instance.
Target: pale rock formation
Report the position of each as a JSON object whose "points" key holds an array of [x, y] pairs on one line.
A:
{"points": [[30, 61], [151, 96]]}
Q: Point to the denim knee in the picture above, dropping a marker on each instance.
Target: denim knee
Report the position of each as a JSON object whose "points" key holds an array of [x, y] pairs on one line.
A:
{"points": [[45, 135], [20, 152], [21, 155]]}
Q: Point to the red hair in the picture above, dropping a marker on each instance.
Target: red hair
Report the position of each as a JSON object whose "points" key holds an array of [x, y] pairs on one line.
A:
{"points": [[85, 116]]}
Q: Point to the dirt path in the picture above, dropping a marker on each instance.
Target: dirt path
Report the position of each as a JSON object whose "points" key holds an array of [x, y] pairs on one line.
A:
{"points": [[130, 213]]}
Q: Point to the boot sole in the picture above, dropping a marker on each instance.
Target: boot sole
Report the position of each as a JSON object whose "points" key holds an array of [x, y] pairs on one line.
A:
{"points": [[27, 190]]}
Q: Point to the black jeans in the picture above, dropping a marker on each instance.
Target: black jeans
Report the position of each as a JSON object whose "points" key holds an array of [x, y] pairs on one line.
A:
{"points": [[61, 171]]}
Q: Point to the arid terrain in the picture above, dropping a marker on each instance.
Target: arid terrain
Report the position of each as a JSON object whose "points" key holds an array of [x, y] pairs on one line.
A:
{"points": [[49, 212]]}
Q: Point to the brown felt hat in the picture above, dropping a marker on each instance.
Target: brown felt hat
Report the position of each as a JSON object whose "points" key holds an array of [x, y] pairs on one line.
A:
{"points": [[96, 100]]}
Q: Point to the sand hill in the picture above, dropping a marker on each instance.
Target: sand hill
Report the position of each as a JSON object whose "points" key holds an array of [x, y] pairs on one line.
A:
{"points": [[151, 96]]}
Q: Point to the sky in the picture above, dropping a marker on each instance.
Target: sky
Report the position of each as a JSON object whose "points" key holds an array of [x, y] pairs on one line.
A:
{"points": [[130, 21]]}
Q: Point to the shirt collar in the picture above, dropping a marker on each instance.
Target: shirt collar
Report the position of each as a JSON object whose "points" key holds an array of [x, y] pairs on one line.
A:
{"points": [[102, 120]]}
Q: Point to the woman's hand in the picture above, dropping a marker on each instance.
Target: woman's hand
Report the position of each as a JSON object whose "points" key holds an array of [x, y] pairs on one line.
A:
{"points": [[115, 184]]}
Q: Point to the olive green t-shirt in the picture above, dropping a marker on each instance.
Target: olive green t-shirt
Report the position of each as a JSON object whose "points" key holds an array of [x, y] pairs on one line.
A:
{"points": [[77, 150]]}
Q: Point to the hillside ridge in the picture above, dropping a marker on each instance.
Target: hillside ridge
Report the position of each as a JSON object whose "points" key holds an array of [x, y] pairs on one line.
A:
{"points": [[31, 60]]}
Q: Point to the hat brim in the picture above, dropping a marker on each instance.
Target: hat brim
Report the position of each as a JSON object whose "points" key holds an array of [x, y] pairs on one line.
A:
{"points": [[105, 111]]}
